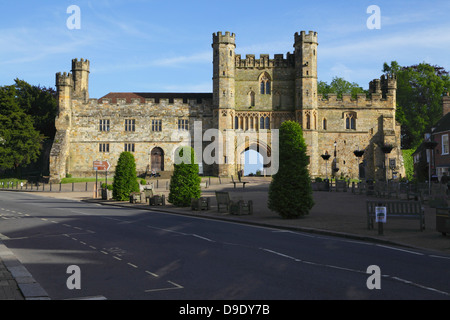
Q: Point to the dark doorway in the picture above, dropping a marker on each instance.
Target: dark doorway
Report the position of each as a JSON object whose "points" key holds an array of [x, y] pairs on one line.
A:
{"points": [[157, 159]]}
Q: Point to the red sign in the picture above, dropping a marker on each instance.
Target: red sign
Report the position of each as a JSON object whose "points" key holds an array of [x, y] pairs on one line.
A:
{"points": [[101, 165]]}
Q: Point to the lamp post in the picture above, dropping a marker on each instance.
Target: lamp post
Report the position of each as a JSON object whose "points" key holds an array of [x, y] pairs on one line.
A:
{"points": [[358, 153], [335, 167], [326, 157]]}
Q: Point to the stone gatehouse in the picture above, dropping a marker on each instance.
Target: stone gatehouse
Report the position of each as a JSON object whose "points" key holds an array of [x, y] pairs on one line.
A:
{"points": [[251, 97]]}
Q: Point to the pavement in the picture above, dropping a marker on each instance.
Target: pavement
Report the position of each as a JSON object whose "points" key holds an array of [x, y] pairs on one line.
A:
{"points": [[341, 214]]}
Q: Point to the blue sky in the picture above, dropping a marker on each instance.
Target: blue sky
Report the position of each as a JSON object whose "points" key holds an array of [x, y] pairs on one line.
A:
{"points": [[165, 46]]}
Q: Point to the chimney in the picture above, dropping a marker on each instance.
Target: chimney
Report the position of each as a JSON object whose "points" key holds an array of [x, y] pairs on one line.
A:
{"points": [[445, 104]]}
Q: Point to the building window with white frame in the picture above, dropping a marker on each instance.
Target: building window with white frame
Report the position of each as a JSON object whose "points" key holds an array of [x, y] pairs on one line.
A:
{"points": [[445, 144]]}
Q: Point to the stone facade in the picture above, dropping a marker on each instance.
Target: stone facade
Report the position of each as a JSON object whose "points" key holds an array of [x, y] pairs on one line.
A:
{"points": [[251, 98]]}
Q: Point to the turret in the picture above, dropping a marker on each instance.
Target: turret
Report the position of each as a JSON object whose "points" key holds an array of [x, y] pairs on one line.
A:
{"points": [[306, 70], [80, 71], [223, 70], [64, 86]]}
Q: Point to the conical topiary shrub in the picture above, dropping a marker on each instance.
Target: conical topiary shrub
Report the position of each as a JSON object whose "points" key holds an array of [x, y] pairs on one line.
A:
{"points": [[290, 192], [125, 178]]}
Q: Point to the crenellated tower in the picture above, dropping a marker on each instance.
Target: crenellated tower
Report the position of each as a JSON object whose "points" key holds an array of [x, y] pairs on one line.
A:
{"points": [[223, 70], [64, 88], [306, 106], [224, 46], [80, 72], [306, 70]]}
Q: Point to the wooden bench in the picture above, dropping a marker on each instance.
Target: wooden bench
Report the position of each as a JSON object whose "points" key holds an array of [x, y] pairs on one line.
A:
{"points": [[202, 203], [233, 207], [234, 182], [396, 209]]}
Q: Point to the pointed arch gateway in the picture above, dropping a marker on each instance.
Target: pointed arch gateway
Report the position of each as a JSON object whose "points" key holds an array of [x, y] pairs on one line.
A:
{"points": [[260, 147]]}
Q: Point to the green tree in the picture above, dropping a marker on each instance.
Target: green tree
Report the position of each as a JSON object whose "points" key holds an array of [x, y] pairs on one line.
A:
{"points": [[419, 99], [290, 193], [40, 103], [339, 86], [125, 177], [185, 181], [20, 143]]}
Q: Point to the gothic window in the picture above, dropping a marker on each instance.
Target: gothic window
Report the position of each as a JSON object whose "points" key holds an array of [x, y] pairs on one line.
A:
{"points": [[264, 82], [324, 124], [252, 99], [267, 87], [264, 122], [308, 121], [236, 123], [350, 120]]}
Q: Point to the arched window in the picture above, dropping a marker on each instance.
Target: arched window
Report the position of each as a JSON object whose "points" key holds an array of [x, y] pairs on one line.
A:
{"points": [[236, 122], [264, 122], [268, 87], [252, 99], [324, 124], [308, 121], [264, 82], [350, 120]]}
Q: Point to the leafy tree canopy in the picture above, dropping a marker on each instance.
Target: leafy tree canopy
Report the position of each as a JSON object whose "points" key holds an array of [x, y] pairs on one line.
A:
{"points": [[339, 86], [40, 103], [419, 98], [20, 142]]}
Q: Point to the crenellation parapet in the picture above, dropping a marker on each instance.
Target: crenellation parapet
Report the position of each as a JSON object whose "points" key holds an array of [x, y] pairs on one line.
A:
{"points": [[64, 79], [227, 38], [386, 85], [361, 100], [264, 61], [310, 37], [80, 65]]}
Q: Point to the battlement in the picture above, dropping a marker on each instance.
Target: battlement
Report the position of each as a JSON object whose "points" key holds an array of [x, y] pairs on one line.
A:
{"points": [[264, 61], [80, 65], [64, 79], [361, 101], [227, 38], [387, 84], [311, 37]]}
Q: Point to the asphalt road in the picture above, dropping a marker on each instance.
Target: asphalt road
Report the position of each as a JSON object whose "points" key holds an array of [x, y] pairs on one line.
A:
{"points": [[138, 254]]}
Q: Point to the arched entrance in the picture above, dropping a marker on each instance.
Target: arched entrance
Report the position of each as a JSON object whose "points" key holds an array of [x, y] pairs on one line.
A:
{"points": [[254, 157], [157, 159], [253, 162]]}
